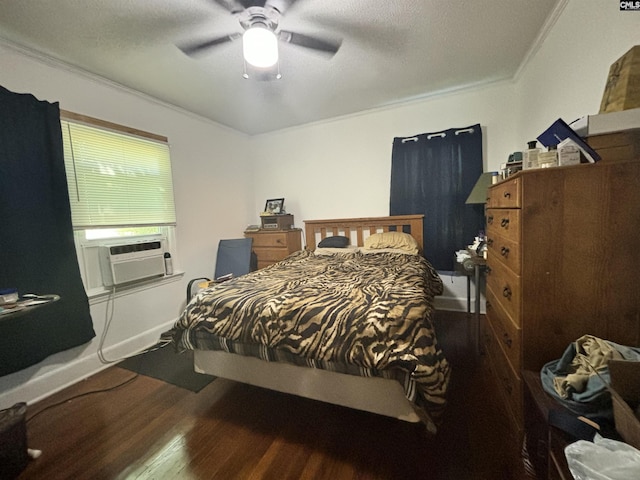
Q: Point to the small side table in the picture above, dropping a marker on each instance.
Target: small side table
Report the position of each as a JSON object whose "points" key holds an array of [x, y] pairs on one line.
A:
{"points": [[479, 266]]}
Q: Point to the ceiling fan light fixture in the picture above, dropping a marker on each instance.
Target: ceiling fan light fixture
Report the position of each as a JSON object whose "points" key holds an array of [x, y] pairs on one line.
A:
{"points": [[260, 46]]}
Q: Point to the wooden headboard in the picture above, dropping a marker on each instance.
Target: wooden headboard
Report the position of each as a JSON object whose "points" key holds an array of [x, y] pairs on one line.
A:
{"points": [[358, 229]]}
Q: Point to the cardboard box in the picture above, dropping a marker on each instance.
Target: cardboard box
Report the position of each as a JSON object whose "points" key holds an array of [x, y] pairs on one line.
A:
{"points": [[625, 395], [617, 146], [604, 123], [623, 83]]}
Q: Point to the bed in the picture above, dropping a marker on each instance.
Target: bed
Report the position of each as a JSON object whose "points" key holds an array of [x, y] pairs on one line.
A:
{"points": [[350, 326]]}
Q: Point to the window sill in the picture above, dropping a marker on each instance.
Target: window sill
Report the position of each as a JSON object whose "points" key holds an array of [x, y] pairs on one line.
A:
{"points": [[102, 294]]}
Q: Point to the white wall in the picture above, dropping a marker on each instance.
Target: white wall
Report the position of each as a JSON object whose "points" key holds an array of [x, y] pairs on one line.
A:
{"points": [[338, 168], [342, 168], [567, 76], [213, 196]]}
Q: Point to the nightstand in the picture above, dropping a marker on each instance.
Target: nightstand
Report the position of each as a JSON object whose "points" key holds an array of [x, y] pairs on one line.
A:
{"points": [[477, 265], [271, 246]]}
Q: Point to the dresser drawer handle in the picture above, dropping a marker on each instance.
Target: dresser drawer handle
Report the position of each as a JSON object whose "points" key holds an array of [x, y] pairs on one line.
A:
{"points": [[489, 241], [504, 251], [504, 223], [488, 305], [507, 340], [487, 270], [507, 194], [490, 219], [506, 292]]}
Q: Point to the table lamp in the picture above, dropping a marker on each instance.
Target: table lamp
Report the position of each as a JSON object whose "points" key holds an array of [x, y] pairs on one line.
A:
{"points": [[479, 192]]}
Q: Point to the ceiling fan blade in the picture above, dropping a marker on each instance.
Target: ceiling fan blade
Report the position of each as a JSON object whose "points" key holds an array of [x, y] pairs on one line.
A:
{"points": [[234, 6], [280, 5], [326, 46], [196, 48]]}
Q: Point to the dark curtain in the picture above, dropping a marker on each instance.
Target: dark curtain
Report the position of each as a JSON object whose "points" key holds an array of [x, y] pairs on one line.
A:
{"points": [[37, 252], [433, 174]]}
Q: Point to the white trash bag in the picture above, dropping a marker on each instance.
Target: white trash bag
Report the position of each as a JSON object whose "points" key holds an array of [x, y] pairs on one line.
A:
{"points": [[603, 459]]}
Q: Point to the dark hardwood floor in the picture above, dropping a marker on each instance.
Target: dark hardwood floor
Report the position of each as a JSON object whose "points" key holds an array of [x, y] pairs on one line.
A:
{"points": [[148, 429]]}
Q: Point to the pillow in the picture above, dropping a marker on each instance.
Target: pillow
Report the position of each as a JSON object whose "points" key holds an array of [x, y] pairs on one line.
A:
{"points": [[399, 240], [337, 241]]}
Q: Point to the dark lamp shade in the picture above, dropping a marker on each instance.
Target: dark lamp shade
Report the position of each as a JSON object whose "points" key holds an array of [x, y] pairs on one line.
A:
{"points": [[479, 192]]}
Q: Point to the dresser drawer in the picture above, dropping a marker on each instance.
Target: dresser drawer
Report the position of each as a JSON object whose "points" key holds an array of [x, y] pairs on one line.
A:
{"points": [[275, 239], [506, 286], [504, 222], [269, 254], [505, 194], [504, 250], [507, 333], [508, 383]]}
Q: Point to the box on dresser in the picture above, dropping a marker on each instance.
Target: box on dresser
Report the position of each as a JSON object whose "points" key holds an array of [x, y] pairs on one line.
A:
{"points": [[562, 261], [622, 145]]}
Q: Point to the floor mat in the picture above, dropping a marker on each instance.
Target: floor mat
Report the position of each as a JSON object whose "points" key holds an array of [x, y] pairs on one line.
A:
{"points": [[171, 367]]}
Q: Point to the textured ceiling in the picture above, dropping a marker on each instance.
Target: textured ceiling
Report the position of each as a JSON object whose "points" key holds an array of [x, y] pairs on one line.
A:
{"points": [[392, 51]]}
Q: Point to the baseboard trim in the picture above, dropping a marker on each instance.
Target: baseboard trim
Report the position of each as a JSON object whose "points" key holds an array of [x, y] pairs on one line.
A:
{"points": [[31, 387]]}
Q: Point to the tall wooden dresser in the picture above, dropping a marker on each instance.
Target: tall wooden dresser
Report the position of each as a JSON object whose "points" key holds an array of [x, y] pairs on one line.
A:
{"points": [[563, 261], [271, 246]]}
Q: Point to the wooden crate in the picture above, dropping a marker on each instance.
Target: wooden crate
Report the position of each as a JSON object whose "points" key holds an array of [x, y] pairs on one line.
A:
{"points": [[623, 83]]}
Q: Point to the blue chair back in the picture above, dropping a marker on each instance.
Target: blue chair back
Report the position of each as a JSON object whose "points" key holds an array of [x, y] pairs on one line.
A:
{"points": [[234, 256]]}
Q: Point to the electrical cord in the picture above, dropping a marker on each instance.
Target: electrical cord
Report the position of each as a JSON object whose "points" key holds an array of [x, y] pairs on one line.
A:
{"points": [[164, 341], [107, 324], [103, 390]]}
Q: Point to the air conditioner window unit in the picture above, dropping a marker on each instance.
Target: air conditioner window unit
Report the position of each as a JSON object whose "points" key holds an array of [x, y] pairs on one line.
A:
{"points": [[131, 262]]}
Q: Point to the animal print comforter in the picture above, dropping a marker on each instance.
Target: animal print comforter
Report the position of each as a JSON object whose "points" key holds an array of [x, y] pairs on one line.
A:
{"points": [[357, 313]]}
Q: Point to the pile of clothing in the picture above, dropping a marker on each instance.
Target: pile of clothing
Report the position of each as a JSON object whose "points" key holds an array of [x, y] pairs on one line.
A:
{"points": [[579, 379]]}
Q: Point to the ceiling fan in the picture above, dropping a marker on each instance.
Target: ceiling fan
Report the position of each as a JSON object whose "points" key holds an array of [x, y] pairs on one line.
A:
{"points": [[260, 19]]}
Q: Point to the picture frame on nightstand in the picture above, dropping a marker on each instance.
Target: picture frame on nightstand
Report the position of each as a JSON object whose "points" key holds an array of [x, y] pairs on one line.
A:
{"points": [[274, 206]]}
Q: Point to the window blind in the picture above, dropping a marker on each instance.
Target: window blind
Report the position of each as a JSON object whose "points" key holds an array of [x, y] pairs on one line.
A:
{"points": [[116, 179]]}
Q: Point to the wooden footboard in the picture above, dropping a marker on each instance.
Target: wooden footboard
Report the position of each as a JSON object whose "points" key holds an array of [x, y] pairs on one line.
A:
{"points": [[358, 229]]}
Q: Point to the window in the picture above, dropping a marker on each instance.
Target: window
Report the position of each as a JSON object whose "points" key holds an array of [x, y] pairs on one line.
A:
{"points": [[120, 185], [116, 179]]}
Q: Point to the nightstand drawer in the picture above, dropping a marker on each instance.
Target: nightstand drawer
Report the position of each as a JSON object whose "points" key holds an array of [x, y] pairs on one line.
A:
{"points": [[505, 194], [271, 239], [269, 254], [506, 287], [504, 250], [507, 333], [504, 222]]}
